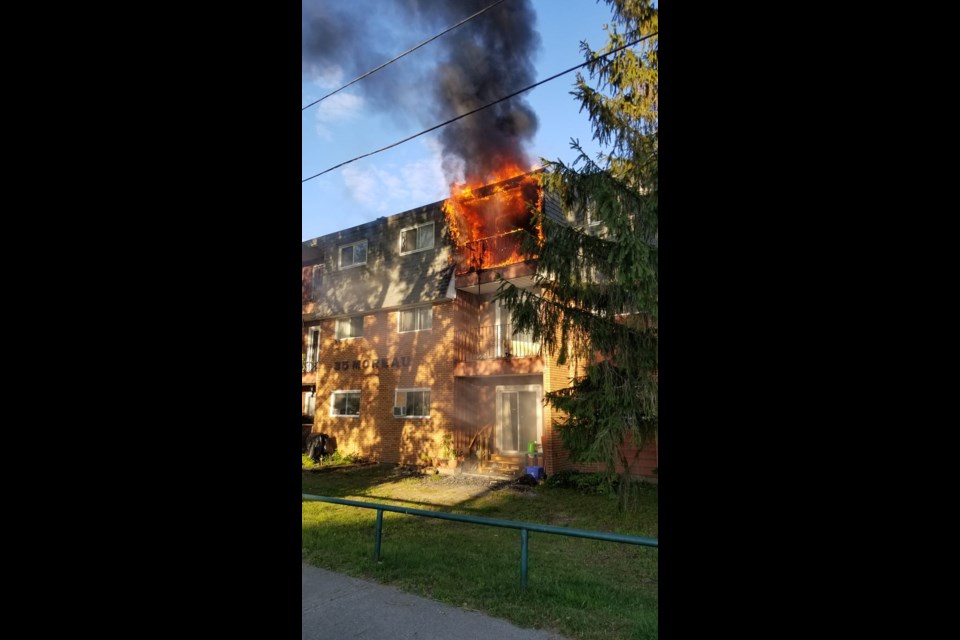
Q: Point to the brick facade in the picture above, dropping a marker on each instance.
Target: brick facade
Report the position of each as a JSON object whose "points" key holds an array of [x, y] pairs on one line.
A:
{"points": [[423, 359]]}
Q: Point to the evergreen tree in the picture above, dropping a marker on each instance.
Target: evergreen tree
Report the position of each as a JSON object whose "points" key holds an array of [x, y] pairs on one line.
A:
{"points": [[597, 299]]}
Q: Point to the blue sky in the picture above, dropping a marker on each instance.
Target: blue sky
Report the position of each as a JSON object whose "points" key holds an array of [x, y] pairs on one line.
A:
{"points": [[410, 175]]}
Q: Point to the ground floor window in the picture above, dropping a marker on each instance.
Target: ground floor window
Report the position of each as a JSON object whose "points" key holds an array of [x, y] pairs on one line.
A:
{"points": [[309, 406], [412, 403], [345, 403]]}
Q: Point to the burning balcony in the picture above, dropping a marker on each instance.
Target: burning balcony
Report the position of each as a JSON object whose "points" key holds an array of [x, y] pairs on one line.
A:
{"points": [[488, 224], [486, 253]]}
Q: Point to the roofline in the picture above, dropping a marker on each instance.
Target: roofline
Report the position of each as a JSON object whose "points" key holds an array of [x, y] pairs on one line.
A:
{"points": [[433, 205]]}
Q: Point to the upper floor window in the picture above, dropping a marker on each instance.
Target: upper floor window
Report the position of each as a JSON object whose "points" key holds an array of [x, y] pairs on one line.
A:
{"points": [[416, 238], [418, 319], [354, 254], [590, 216], [311, 283], [317, 279], [349, 327]]}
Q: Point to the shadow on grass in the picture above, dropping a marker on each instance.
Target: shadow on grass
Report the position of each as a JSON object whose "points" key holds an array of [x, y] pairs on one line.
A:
{"points": [[401, 486], [365, 480], [341, 480]]}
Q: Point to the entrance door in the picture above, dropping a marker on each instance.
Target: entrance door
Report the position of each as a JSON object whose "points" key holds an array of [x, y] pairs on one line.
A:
{"points": [[519, 416]]}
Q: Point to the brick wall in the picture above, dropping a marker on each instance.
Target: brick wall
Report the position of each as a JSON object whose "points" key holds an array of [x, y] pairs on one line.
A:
{"points": [[555, 377], [556, 458], [424, 359]]}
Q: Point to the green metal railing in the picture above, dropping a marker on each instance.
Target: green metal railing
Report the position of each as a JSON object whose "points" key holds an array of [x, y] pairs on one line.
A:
{"points": [[524, 527]]}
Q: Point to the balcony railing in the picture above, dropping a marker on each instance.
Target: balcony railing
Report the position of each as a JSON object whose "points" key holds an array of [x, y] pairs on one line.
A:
{"points": [[486, 253], [494, 341], [307, 367]]}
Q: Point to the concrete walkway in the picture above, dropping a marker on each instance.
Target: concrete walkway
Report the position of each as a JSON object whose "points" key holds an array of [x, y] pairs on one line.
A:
{"points": [[338, 606]]}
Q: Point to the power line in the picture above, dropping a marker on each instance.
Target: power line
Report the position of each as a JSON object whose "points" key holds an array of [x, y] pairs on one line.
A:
{"points": [[402, 54], [490, 104]]}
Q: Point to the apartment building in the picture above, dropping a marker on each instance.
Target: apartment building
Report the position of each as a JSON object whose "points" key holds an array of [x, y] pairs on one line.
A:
{"points": [[404, 343]]}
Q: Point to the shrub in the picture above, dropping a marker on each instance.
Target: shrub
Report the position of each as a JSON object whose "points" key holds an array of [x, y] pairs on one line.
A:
{"points": [[590, 483], [336, 458]]}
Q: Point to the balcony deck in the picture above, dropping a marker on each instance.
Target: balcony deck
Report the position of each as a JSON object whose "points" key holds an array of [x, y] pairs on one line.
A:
{"points": [[496, 350]]}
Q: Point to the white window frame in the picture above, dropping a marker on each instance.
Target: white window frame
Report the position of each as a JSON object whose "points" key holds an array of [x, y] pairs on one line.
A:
{"points": [[309, 403], [433, 231], [417, 319], [317, 281], [313, 347], [592, 219], [340, 249], [333, 396], [349, 321], [412, 390]]}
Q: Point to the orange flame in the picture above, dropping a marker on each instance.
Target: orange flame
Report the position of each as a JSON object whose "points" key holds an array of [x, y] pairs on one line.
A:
{"points": [[486, 221]]}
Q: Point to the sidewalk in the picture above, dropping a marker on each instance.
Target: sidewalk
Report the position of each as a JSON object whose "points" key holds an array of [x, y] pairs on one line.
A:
{"points": [[338, 606]]}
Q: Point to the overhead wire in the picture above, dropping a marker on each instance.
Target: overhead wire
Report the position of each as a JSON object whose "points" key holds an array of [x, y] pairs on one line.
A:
{"points": [[489, 104], [372, 71]]}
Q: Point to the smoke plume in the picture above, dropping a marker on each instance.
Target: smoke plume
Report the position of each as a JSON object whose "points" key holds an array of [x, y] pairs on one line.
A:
{"points": [[485, 59]]}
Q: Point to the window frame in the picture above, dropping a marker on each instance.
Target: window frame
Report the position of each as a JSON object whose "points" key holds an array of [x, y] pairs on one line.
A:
{"points": [[590, 216], [317, 280], [399, 390], [417, 322], [417, 227], [314, 339], [350, 320], [333, 404], [340, 249], [309, 403]]}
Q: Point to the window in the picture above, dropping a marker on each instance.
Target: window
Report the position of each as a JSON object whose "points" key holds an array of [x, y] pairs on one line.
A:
{"points": [[309, 406], [354, 254], [412, 403], [313, 349], [345, 403], [590, 216], [317, 280], [419, 319], [416, 239], [350, 327]]}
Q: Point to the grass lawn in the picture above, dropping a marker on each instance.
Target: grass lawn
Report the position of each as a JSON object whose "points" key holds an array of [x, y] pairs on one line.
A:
{"points": [[579, 588]]}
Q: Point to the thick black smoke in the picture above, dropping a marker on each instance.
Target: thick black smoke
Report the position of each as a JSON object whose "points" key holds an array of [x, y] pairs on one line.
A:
{"points": [[491, 58], [487, 58]]}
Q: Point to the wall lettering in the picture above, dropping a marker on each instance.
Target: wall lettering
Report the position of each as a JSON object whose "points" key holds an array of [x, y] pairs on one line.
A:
{"points": [[373, 363]]}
